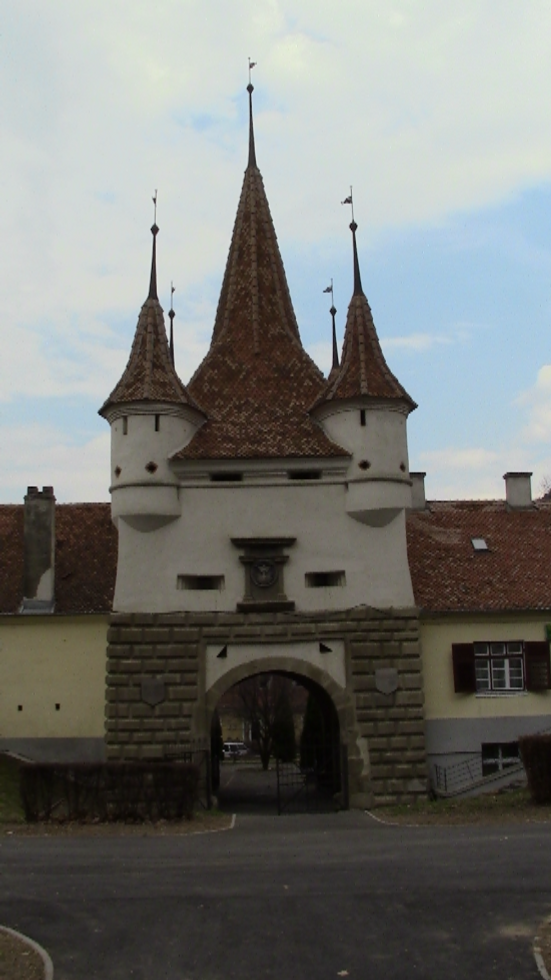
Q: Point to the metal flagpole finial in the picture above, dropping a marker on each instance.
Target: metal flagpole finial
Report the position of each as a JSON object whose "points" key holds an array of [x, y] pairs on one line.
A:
{"points": [[171, 315], [154, 199], [350, 200]]}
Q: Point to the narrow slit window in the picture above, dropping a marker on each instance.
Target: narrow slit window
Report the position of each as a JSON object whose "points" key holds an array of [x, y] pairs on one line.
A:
{"points": [[362, 416], [226, 477], [157, 423], [200, 583], [324, 580], [304, 474], [125, 425]]}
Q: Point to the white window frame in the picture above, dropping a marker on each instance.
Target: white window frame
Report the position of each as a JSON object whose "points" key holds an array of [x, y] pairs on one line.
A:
{"points": [[500, 667]]}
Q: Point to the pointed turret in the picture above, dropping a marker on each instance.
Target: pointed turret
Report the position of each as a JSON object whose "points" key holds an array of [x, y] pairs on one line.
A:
{"points": [[363, 371], [364, 407], [149, 375], [151, 414], [257, 381]]}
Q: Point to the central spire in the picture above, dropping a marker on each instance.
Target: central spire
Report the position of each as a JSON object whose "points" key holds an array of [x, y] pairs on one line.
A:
{"points": [[257, 381], [252, 153]]}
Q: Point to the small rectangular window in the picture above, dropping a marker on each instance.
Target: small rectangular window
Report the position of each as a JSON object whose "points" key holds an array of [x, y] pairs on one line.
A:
{"points": [[200, 583], [226, 477], [157, 423], [125, 425], [304, 474], [324, 580], [362, 416], [499, 756]]}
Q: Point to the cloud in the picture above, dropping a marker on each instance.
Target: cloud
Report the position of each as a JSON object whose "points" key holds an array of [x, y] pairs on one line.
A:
{"points": [[415, 342], [537, 402], [43, 455]]}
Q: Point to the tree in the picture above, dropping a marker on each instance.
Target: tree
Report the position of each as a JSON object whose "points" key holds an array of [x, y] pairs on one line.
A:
{"points": [[266, 705]]}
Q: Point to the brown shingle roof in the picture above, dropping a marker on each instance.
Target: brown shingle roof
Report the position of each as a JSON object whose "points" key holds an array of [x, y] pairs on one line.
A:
{"points": [[257, 381], [86, 558], [450, 576], [363, 370], [150, 374]]}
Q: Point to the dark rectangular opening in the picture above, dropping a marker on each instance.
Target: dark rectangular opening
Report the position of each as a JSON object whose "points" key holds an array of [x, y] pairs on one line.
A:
{"points": [[226, 477], [304, 474], [499, 756], [362, 416], [324, 580], [157, 423], [125, 425], [200, 583]]}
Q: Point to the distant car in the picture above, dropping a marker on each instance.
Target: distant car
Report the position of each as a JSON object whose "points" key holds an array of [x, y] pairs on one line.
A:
{"points": [[232, 750]]}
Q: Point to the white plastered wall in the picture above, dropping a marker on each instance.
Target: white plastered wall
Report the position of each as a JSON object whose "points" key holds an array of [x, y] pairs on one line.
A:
{"points": [[373, 559]]}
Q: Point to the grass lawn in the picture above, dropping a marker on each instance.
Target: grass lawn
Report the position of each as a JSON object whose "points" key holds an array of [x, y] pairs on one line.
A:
{"points": [[505, 806]]}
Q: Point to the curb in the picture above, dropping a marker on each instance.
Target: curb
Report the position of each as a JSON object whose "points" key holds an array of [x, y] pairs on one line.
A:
{"points": [[48, 965], [537, 952]]}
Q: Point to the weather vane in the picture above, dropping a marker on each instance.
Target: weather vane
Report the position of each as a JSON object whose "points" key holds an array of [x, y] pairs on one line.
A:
{"points": [[330, 288], [252, 64], [349, 200]]}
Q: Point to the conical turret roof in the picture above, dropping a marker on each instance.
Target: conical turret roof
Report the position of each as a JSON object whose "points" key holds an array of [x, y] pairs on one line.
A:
{"points": [[363, 370], [257, 381], [150, 374]]}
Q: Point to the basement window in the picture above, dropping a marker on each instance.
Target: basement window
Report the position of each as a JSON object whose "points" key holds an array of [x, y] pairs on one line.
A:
{"points": [[479, 544], [499, 756], [324, 580], [200, 583], [304, 474], [226, 477]]}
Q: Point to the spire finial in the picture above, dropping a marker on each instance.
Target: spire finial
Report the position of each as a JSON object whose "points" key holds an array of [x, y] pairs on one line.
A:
{"points": [[333, 311], [353, 228], [171, 314], [154, 232], [250, 90]]}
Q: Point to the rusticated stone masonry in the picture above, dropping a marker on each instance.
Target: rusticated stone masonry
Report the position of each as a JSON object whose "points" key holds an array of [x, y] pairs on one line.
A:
{"points": [[156, 700]]}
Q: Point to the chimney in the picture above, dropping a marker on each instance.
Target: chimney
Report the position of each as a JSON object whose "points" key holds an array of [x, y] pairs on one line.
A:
{"points": [[39, 551], [518, 491], [418, 501]]}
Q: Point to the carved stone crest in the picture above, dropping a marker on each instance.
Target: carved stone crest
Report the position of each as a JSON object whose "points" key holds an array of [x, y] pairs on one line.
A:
{"points": [[264, 572], [386, 680], [153, 691]]}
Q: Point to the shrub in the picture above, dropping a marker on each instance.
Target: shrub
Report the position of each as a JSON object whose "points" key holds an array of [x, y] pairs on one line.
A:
{"points": [[130, 791], [535, 752]]}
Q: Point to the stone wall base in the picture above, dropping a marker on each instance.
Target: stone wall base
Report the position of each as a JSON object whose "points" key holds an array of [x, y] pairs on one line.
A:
{"points": [[156, 700]]}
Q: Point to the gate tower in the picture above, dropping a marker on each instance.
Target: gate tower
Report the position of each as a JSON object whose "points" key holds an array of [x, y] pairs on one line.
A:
{"points": [[261, 520]]}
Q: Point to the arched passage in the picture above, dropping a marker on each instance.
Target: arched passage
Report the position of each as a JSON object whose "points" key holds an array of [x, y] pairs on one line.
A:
{"points": [[317, 777]]}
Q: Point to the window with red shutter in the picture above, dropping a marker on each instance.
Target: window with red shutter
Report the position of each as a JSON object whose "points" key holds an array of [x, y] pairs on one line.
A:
{"points": [[538, 667], [464, 680]]}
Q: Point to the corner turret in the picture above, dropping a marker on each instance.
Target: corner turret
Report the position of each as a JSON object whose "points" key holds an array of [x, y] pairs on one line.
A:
{"points": [[365, 408], [151, 416]]}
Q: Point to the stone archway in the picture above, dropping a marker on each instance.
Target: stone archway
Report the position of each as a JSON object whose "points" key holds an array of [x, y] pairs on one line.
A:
{"points": [[311, 676]]}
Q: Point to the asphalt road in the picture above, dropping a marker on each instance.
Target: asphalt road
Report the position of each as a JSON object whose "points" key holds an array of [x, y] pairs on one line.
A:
{"points": [[294, 897]]}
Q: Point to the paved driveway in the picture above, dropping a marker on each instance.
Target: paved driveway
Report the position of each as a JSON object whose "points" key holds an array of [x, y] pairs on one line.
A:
{"points": [[299, 898]]}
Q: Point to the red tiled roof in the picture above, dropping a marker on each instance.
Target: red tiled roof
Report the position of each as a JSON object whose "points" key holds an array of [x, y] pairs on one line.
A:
{"points": [[86, 558], [450, 576], [257, 382]]}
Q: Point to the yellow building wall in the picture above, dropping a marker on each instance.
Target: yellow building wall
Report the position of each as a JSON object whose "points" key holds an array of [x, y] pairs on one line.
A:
{"points": [[441, 701], [49, 660]]}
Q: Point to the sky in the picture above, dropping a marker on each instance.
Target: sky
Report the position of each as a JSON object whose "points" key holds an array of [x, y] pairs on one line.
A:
{"points": [[438, 115]]}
